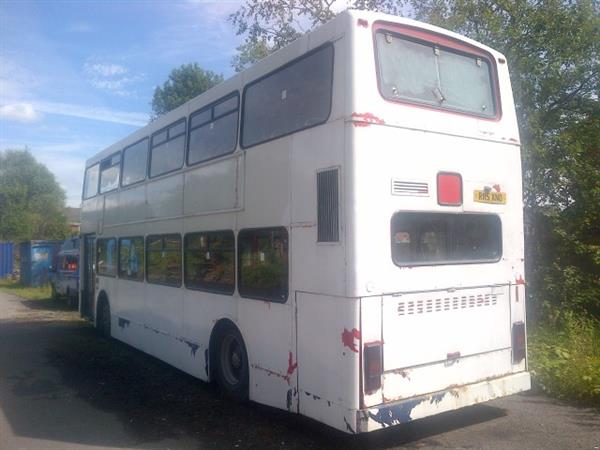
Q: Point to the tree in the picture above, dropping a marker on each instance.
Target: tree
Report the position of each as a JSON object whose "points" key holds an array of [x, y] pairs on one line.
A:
{"points": [[184, 83], [31, 201], [269, 25]]}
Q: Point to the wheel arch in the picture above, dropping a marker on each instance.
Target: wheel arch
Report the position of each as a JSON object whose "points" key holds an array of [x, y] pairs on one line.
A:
{"points": [[212, 342]]}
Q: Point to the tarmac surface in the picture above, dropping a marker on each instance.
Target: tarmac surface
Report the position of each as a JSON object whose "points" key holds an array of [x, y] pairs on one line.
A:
{"points": [[64, 387]]}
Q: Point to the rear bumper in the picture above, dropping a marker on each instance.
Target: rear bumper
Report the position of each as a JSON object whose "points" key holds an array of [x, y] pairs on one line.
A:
{"points": [[404, 411]]}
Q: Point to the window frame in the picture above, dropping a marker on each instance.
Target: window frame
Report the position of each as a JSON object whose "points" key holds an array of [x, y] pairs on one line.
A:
{"points": [[277, 70], [447, 262], [185, 266], [147, 259], [143, 259], [169, 138], [239, 278], [98, 254], [211, 107], [446, 43], [83, 197], [112, 155], [123, 160]]}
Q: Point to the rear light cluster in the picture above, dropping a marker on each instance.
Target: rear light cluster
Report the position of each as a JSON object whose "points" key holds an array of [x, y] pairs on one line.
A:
{"points": [[518, 342], [373, 360], [449, 189]]}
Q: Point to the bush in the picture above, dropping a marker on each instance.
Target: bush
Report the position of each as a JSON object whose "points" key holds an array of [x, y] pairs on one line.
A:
{"points": [[565, 357]]}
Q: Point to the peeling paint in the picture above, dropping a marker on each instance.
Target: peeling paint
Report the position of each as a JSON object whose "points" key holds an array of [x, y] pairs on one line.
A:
{"points": [[395, 414], [366, 119], [124, 323], [206, 362], [520, 280], [292, 366], [437, 398], [289, 399], [362, 23], [348, 337], [348, 426], [193, 347]]}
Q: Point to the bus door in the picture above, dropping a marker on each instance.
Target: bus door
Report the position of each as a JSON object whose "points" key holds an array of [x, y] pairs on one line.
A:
{"points": [[87, 277]]}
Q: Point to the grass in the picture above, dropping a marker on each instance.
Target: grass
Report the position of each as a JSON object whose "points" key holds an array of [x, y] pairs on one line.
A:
{"points": [[28, 292], [565, 358]]}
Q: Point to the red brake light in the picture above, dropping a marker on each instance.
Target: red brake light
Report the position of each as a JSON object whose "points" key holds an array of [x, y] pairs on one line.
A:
{"points": [[449, 189], [518, 342], [373, 360]]}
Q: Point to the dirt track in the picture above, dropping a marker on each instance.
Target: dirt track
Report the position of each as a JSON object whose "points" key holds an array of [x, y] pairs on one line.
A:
{"points": [[61, 387]]}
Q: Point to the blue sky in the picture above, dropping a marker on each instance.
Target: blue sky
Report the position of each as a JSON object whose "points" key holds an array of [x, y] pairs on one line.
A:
{"points": [[76, 76]]}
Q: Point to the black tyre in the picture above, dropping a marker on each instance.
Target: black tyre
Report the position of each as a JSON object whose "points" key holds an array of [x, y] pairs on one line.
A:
{"points": [[103, 317], [231, 363]]}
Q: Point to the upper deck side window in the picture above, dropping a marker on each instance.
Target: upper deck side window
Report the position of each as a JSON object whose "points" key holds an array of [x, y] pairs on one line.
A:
{"points": [[414, 70], [292, 98], [135, 159], [213, 130], [90, 182], [110, 169], [167, 148]]}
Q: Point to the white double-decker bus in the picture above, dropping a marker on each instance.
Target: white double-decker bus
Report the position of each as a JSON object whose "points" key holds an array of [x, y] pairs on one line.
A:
{"points": [[336, 231]]}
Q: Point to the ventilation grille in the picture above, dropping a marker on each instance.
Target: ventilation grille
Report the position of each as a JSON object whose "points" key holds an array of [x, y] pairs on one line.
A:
{"points": [[328, 206], [446, 304], [400, 187]]}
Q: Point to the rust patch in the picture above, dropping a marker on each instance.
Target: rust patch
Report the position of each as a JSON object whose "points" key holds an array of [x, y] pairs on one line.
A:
{"points": [[292, 366], [520, 280], [366, 119], [348, 337]]}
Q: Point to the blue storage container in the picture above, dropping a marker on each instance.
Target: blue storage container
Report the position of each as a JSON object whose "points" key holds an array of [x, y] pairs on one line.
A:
{"points": [[36, 259], [6, 259]]}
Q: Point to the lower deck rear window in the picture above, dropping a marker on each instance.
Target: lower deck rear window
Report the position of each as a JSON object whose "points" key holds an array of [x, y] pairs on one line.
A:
{"points": [[440, 238]]}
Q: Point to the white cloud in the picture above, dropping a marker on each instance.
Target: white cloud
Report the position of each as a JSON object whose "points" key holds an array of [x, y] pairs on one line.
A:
{"points": [[93, 113], [15, 80], [111, 78], [21, 112], [105, 70]]}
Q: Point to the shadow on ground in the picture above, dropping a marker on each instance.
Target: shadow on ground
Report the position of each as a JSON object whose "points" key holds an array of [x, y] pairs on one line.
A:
{"points": [[154, 401]]}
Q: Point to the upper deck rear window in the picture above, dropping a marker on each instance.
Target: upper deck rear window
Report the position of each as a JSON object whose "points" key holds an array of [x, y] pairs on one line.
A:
{"points": [[422, 72]]}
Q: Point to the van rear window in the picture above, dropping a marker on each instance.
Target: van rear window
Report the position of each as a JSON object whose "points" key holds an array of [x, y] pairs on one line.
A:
{"points": [[420, 238]]}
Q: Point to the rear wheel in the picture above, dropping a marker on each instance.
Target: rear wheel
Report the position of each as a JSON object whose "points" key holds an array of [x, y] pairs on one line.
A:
{"points": [[232, 363], [103, 317]]}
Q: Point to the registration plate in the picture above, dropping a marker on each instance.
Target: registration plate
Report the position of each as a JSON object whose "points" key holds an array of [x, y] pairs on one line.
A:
{"points": [[497, 198]]}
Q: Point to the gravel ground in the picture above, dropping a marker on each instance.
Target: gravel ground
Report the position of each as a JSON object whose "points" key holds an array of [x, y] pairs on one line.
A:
{"points": [[63, 387]]}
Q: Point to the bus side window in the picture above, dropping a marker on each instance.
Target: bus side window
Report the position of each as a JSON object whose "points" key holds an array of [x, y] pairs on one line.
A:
{"points": [[163, 259], [135, 159], [106, 257], [210, 261], [110, 169], [131, 258], [167, 148], [263, 264]]}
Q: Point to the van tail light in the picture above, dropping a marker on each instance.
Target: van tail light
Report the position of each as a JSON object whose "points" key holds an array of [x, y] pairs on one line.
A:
{"points": [[518, 342], [373, 360], [449, 189]]}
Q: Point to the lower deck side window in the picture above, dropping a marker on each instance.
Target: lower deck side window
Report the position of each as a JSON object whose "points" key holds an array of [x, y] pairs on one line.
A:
{"points": [[210, 261], [131, 258], [422, 238], [163, 259], [263, 263], [106, 257]]}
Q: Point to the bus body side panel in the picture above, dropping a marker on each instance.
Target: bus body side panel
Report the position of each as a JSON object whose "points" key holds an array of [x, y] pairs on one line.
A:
{"points": [[329, 342]]}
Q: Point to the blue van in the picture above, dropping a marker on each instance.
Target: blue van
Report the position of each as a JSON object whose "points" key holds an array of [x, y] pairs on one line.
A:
{"points": [[64, 275]]}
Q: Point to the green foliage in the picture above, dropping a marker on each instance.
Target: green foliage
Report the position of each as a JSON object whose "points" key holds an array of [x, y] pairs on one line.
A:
{"points": [[269, 25], [28, 292], [184, 83], [31, 201], [565, 358]]}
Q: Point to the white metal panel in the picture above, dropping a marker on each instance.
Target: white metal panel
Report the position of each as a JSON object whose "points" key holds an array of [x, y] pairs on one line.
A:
{"points": [[329, 343], [426, 327], [213, 187], [91, 213], [164, 197]]}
